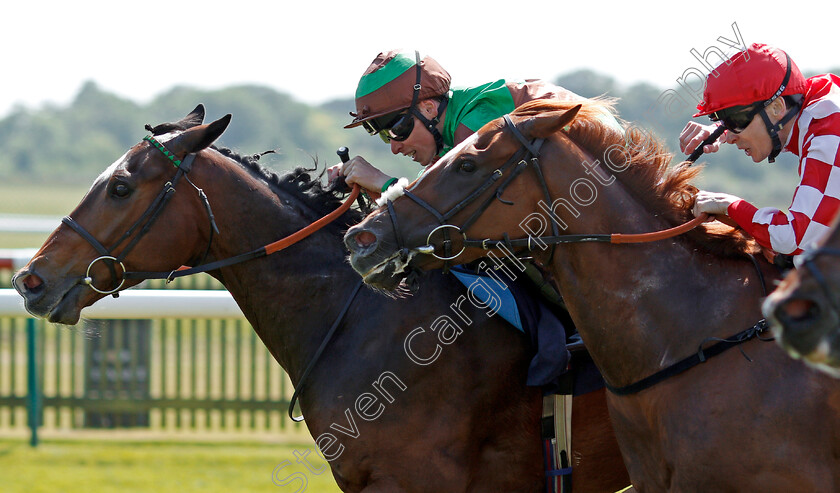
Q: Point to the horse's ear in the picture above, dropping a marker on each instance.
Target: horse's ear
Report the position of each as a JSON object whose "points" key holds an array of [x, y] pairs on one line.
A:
{"points": [[194, 119], [548, 123], [199, 137]]}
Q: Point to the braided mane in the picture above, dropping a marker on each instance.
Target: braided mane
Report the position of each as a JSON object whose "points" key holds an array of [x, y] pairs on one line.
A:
{"points": [[299, 183]]}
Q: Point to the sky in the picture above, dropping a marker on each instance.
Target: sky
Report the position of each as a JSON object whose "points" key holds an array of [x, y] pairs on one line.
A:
{"points": [[316, 51]]}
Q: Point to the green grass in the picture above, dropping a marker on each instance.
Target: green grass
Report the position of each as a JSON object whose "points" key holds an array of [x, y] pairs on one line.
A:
{"points": [[138, 466]]}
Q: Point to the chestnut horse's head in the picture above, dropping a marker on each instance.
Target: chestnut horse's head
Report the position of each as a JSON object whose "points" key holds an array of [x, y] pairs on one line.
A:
{"points": [[471, 191], [805, 309], [130, 218]]}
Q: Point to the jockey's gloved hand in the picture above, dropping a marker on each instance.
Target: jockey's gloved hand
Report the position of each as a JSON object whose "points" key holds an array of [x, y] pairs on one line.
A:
{"points": [[333, 172], [714, 203], [694, 134]]}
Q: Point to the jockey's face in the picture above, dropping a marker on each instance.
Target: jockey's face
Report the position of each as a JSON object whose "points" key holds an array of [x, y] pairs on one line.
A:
{"points": [[754, 139], [420, 145]]}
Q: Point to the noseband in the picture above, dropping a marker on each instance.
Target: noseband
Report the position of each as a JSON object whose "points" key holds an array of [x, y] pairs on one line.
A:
{"points": [[141, 226], [807, 260]]}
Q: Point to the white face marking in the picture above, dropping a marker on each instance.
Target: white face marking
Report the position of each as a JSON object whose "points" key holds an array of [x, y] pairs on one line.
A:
{"points": [[106, 175], [163, 139], [448, 156]]}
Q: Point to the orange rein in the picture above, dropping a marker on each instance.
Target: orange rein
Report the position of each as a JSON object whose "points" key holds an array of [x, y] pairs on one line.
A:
{"points": [[308, 230], [296, 236], [659, 235]]}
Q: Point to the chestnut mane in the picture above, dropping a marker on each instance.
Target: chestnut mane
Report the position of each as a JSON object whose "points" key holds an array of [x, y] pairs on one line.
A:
{"points": [[664, 190]]}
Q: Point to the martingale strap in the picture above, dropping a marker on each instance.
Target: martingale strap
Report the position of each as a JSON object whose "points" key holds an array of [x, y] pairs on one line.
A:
{"points": [[321, 348], [701, 356]]}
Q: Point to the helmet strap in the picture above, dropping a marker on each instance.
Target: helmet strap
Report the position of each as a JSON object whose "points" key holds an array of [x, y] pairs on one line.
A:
{"points": [[431, 125], [774, 128]]}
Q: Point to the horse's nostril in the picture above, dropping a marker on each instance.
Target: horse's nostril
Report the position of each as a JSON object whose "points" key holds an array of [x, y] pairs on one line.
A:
{"points": [[365, 239], [797, 309], [32, 282]]}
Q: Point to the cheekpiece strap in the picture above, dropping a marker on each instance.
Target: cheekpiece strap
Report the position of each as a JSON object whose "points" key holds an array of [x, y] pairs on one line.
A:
{"points": [[534, 150]]}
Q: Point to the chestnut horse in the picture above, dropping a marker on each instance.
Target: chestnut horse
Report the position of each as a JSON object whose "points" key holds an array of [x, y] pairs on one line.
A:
{"points": [[803, 310], [461, 421], [744, 420]]}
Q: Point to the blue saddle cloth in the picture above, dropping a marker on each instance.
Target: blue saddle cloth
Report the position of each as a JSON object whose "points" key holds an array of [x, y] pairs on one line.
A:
{"points": [[526, 311]]}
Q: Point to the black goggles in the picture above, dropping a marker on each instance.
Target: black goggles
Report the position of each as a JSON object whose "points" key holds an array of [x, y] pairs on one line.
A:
{"points": [[391, 127], [736, 119]]}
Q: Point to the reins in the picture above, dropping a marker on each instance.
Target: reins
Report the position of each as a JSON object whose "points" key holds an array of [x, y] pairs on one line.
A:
{"points": [[262, 251], [154, 210], [320, 351], [529, 154], [614, 238], [144, 222], [701, 356]]}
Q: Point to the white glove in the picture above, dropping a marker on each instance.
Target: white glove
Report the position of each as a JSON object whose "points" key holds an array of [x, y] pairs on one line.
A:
{"points": [[712, 203]]}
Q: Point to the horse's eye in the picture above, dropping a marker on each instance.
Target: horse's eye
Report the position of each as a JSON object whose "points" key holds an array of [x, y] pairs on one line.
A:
{"points": [[121, 190], [467, 167]]}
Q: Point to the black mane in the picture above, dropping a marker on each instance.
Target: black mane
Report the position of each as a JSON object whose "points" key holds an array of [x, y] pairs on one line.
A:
{"points": [[300, 184]]}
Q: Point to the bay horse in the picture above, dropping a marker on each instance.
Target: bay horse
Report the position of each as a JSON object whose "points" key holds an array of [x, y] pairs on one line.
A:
{"points": [[744, 420], [803, 310], [462, 422]]}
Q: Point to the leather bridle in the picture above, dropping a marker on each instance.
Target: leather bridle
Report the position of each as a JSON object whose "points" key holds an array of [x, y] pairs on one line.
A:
{"points": [[527, 154], [141, 226], [145, 222]]}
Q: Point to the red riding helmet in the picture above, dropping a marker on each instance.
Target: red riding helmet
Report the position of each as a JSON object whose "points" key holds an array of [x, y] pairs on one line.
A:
{"points": [[750, 76]]}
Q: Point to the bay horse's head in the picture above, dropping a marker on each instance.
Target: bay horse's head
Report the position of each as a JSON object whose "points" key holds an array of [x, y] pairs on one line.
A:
{"points": [[805, 309], [469, 191], [85, 258]]}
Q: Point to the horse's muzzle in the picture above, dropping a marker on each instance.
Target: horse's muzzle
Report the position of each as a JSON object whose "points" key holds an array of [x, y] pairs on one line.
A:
{"points": [[801, 323]]}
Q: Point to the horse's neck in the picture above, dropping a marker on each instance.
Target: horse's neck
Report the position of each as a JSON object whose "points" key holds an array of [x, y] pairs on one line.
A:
{"points": [[291, 297], [642, 307]]}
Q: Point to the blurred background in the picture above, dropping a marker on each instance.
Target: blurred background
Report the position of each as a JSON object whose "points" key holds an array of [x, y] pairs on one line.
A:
{"points": [[145, 405]]}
